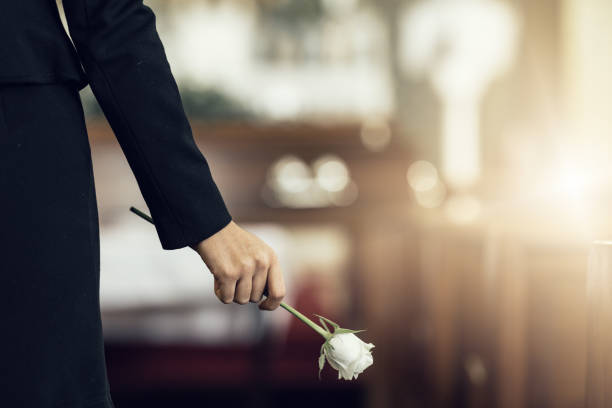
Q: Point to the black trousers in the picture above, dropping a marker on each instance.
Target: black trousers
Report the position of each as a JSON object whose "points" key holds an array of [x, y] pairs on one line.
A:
{"points": [[51, 346]]}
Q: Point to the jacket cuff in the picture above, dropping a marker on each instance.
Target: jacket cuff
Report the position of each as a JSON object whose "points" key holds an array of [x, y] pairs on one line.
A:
{"points": [[198, 220]]}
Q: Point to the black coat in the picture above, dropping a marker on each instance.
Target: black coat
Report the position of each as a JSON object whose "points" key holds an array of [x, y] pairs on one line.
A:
{"points": [[119, 53]]}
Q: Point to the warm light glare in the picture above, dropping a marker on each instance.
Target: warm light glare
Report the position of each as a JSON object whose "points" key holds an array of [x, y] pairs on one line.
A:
{"points": [[572, 182]]}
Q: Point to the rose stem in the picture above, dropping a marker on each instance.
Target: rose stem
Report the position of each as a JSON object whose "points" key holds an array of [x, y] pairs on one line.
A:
{"points": [[306, 320], [142, 215], [285, 306]]}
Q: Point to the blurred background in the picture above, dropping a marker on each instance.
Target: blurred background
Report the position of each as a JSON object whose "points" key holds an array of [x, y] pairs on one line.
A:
{"points": [[432, 171]]}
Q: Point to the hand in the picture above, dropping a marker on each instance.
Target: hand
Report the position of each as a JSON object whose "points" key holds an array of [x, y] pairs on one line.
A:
{"points": [[242, 265]]}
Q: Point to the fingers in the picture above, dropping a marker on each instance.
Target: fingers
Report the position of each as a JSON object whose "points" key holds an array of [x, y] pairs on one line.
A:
{"points": [[259, 279], [225, 290], [243, 290], [276, 288], [252, 273], [259, 284], [244, 267]]}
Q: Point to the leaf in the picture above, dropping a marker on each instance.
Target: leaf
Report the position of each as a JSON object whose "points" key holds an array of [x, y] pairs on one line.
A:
{"points": [[334, 325], [324, 324], [343, 331], [321, 364]]}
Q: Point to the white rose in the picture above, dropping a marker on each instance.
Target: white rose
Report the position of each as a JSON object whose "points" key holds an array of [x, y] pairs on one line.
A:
{"points": [[348, 354]]}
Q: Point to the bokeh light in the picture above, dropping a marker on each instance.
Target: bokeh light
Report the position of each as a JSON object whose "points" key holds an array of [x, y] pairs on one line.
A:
{"points": [[422, 175], [290, 174], [432, 197], [375, 134], [331, 172]]}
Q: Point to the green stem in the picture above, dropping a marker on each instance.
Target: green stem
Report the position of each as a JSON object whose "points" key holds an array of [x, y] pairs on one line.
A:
{"points": [[285, 306], [142, 215], [306, 320]]}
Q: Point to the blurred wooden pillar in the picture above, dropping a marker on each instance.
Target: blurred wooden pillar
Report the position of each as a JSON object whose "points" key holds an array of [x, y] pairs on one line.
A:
{"points": [[389, 293], [506, 261], [455, 296], [463, 302], [439, 298], [506, 316], [599, 341]]}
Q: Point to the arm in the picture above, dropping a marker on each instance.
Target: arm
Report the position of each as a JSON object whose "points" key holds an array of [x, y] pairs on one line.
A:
{"points": [[130, 76]]}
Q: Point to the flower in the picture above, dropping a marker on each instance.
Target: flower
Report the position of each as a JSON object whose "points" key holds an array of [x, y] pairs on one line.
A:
{"points": [[348, 354], [343, 350]]}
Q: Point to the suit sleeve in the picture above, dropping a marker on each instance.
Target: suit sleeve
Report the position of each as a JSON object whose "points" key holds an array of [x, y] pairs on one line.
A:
{"points": [[129, 74]]}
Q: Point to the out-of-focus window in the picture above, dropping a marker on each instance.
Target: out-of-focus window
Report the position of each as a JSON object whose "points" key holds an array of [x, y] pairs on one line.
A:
{"points": [[279, 60]]}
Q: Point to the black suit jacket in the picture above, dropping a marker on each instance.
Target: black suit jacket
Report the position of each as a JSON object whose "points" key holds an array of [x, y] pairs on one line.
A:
{"points": [[119, 53]]}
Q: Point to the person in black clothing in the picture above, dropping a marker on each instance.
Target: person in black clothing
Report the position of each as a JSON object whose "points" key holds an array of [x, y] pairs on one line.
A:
{"points": [[51, 347]]}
